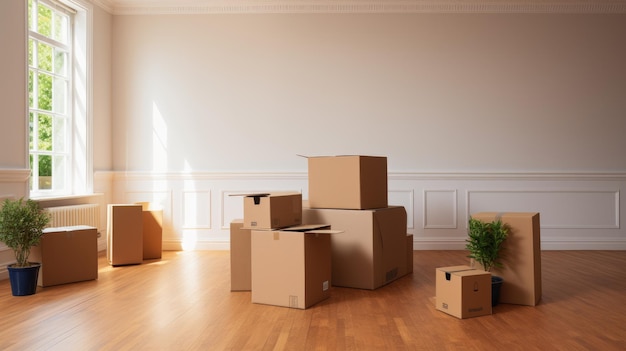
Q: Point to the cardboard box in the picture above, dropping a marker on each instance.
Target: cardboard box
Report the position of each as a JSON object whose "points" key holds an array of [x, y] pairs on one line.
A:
{"points": [[152, 231], [67, 255], [371, 251], [124, 234], [272, 210], [291, 267], [240, 257], [463, 292], [520, 257], [347, 182]]}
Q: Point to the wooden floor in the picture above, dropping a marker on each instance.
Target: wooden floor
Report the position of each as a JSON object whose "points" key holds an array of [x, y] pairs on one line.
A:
{"points": [[183, 302]]}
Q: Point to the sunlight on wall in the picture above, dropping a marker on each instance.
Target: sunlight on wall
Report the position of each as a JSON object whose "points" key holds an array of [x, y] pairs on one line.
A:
{"points": [[159, 140], [190, 241], [190, 211]]}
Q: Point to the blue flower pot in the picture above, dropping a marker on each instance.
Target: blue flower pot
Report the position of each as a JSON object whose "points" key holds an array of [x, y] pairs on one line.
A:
{"points": [[24, 279], [496, 285]]}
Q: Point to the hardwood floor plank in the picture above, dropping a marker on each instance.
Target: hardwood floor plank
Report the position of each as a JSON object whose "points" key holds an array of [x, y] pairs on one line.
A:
{"points": [[183, 302]]}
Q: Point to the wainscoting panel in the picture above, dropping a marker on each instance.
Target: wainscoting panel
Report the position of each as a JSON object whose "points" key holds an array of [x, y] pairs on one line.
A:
{"points": [[196, 209], [575, 209], [440, 208], [578, 211]]}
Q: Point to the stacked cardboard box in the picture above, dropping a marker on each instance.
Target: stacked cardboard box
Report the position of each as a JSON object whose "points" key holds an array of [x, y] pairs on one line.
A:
{"points": [[282, 262], [350, 194], [291, 266], [272, 210]]}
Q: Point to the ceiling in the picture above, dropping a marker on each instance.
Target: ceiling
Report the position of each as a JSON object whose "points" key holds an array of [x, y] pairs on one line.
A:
{"points": [[127, 7]]}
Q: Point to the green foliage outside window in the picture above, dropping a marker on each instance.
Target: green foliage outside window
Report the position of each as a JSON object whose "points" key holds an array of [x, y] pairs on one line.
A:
{"points": [[48, 65]]}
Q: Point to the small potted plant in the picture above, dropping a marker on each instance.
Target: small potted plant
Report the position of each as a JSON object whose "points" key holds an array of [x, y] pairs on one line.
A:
{"points": [[484, 242], [21, 227]]}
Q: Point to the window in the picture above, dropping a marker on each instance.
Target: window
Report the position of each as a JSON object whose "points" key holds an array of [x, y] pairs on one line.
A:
{"points": [[58, 99]]}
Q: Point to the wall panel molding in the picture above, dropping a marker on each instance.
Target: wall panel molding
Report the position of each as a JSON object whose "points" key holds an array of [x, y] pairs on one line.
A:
{"points": [[440, 209], [560, 209], [578, 210]]}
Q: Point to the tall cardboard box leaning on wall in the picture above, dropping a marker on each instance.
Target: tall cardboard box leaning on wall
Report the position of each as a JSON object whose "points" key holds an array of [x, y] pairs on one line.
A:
{"points": [[520, 257], [463, 292], [240, 252], [124, 234], [291, 267], [347, 182], [152, 231], [271, 210]]}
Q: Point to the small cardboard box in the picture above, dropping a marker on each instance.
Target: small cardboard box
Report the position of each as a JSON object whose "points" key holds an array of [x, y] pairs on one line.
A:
{"points": [[463, 292], [67, 255], [240, 257], [124, 234], [291, 267], [272, 210], [372, 249], [520, 257], [152, 231], [347, 182]]}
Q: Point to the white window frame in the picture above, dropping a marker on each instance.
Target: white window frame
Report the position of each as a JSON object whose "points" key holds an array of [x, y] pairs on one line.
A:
{"points": [[79, 173]]}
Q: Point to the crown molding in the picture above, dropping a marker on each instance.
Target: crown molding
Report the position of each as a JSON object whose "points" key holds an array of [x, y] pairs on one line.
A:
{"points": [[162, 7]]}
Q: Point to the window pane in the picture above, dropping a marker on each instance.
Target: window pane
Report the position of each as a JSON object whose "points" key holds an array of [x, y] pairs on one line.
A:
{"points": [[45, 133], [30, 88], [30, 52], [31, 159], [44, 56], [61, 28], [59, 169], [31, 24], [60, 62], [60, 95], [59, 139], [44, 91], [45, 172], [31, 129], [44, 20]]}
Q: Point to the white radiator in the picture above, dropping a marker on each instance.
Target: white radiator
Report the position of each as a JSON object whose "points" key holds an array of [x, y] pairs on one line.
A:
{"points": [[65, 216]]}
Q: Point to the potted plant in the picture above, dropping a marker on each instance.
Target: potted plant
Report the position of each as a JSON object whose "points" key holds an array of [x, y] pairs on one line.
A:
{"points": [[484, 242], [21, 227]]}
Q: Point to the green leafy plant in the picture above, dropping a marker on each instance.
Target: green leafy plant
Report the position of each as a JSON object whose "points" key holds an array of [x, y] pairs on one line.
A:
{"points": [[21, 227], [485, 241]]}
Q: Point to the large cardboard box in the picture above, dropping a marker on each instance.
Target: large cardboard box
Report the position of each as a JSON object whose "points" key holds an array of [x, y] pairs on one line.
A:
{"points": [[124, 234], [371, 251], [291, 267], [520, 257], [272, 210], [67, 255], [348, 182], [240, 257], [152, 231], [463, 292]]}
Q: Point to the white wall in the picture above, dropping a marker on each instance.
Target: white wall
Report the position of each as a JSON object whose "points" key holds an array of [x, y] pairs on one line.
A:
{"points": [[433, 92], [475, 112]]}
